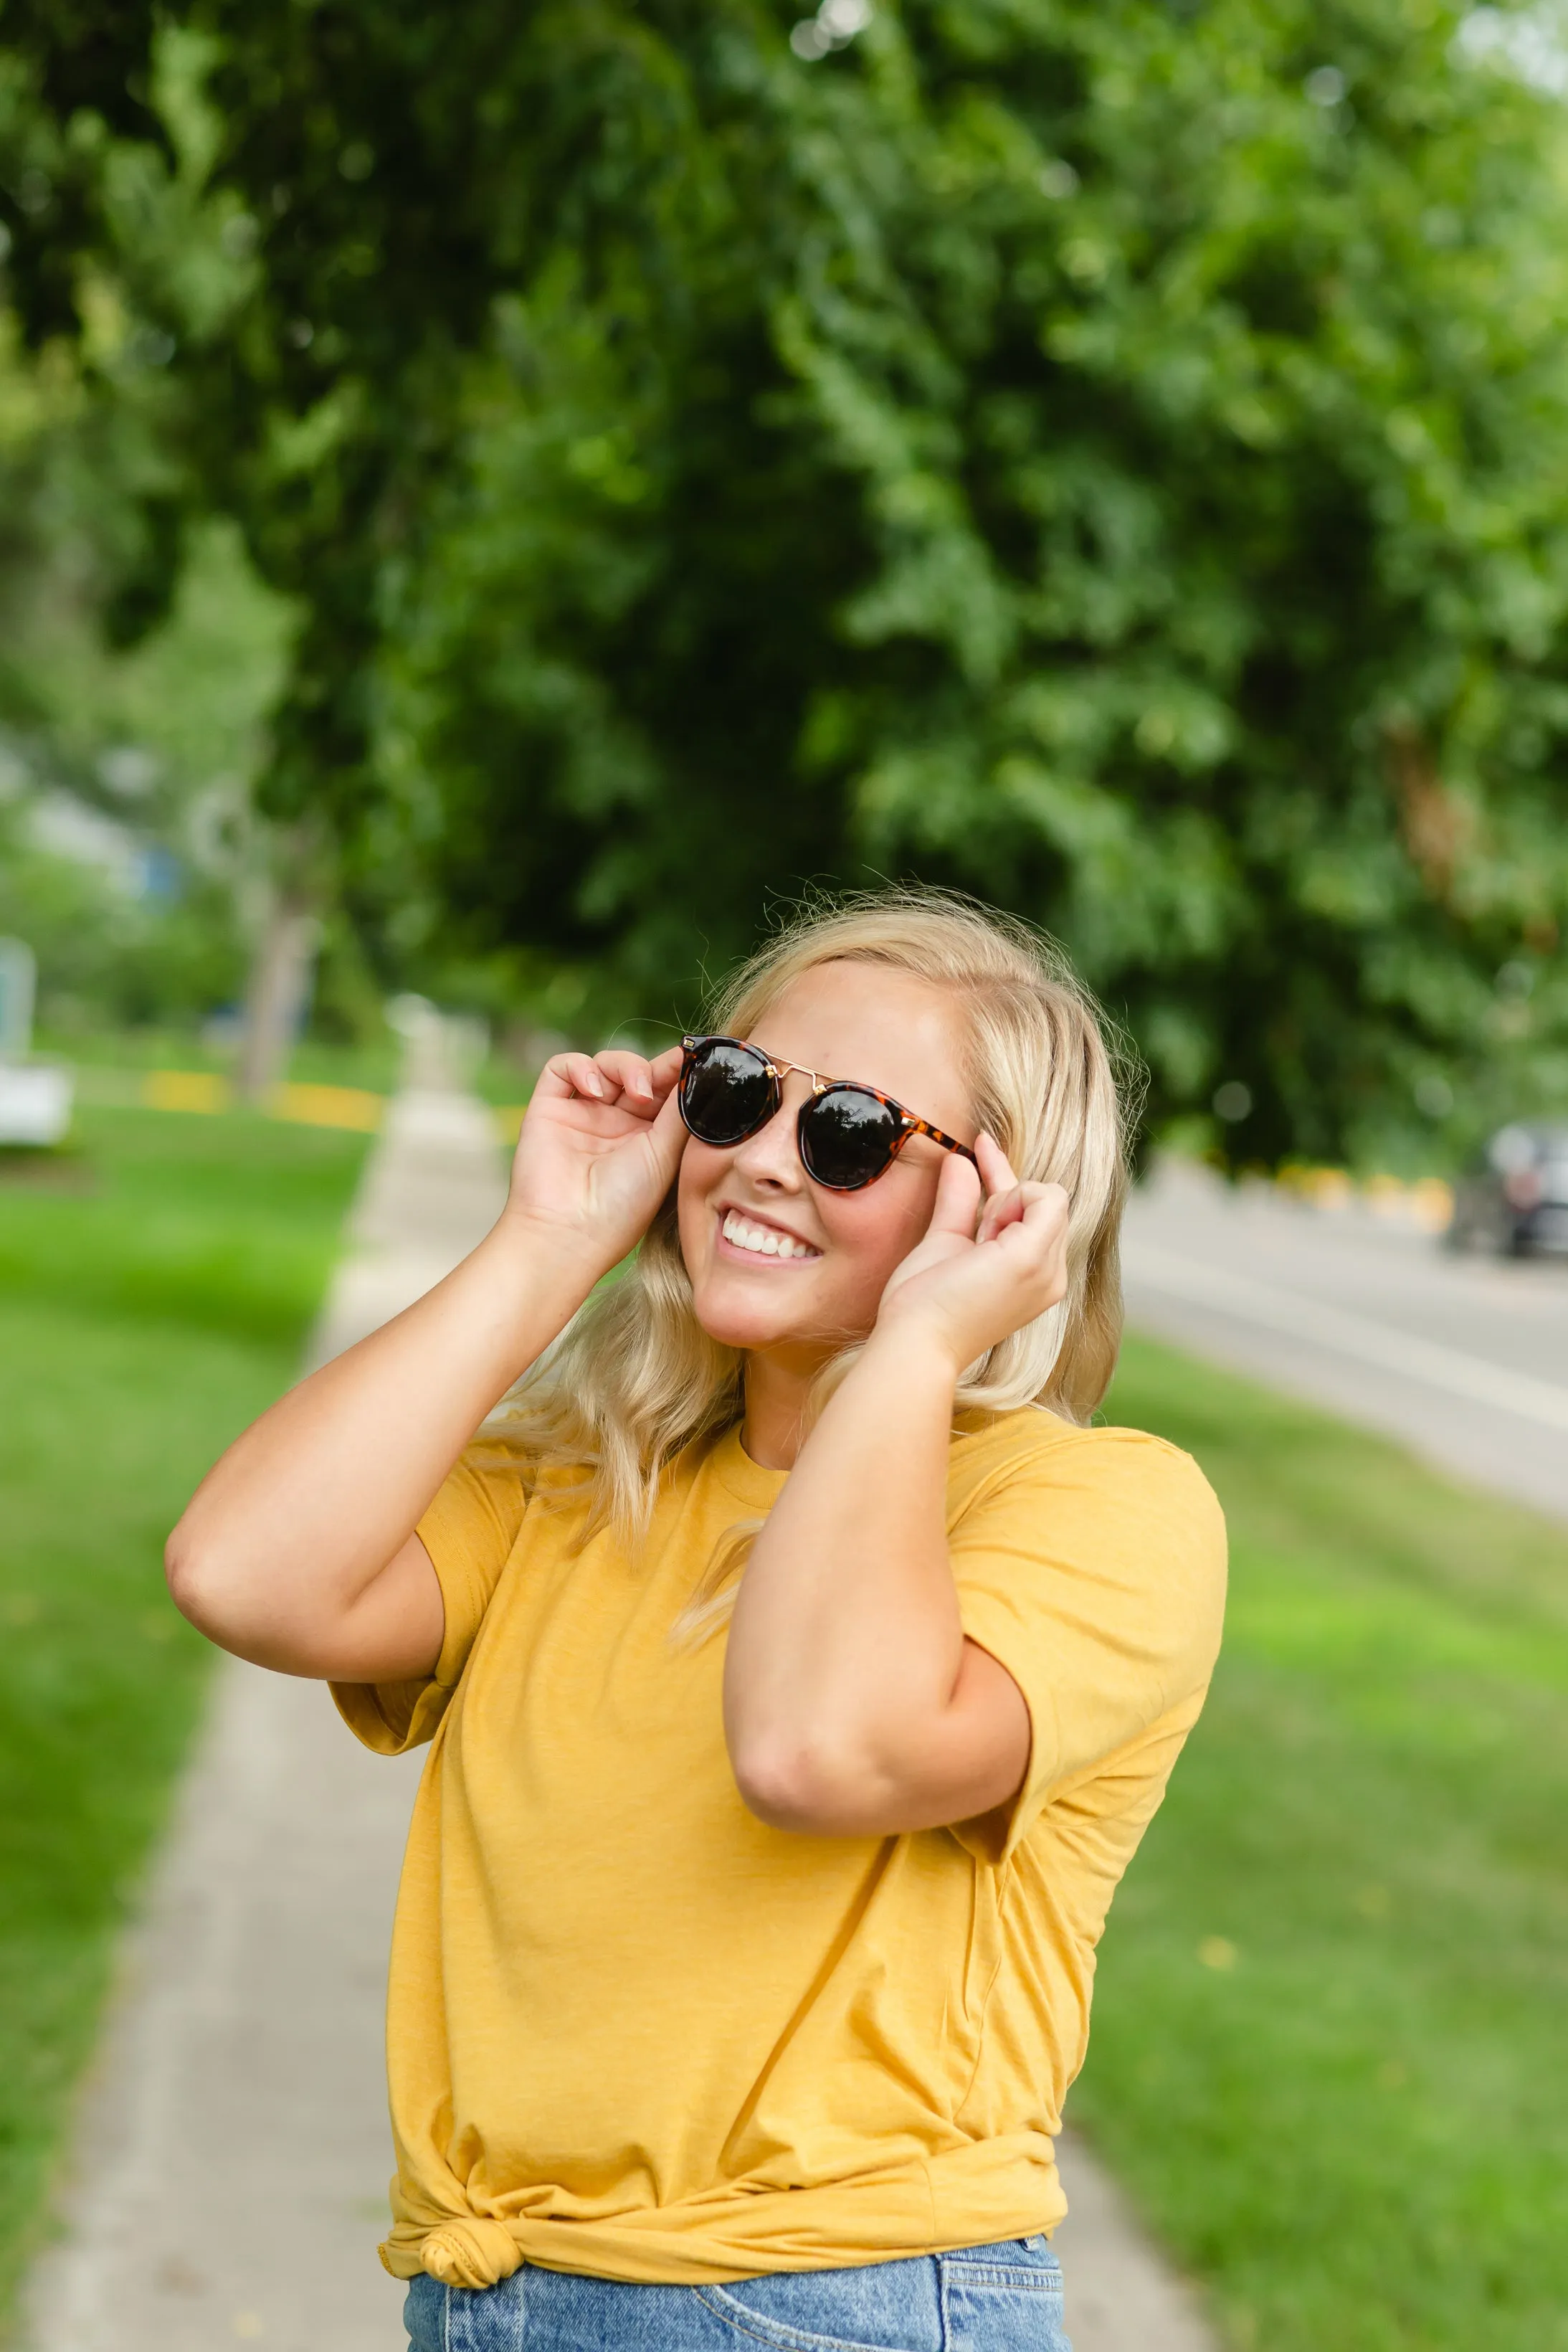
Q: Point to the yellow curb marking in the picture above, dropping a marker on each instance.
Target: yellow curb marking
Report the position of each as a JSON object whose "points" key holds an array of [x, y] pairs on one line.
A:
{"points": [[186, 1090], [305, 1106], [315, 1106]]}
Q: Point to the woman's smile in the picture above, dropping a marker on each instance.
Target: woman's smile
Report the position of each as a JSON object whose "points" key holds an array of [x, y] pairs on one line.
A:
{"points": [[742, 1233]]}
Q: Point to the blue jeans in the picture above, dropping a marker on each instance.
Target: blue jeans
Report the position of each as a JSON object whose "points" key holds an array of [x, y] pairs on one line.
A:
{"points": [[1003, 2298]]}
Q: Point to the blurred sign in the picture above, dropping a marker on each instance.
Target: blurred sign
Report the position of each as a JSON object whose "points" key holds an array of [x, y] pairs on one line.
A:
{"points": [[34, 1096], [34, 1102]]}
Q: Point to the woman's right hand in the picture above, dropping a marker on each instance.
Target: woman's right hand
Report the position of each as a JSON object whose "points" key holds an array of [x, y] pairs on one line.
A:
{"points": [[601, 1143]]}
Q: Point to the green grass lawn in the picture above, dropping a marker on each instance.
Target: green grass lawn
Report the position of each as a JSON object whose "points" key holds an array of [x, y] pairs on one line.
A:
{"points": [[154, 1293], [1330, 2055]]}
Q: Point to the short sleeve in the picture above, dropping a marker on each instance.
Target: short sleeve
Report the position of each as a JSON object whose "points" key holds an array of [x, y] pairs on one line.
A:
{"points": [[1093, 1570], [469, 1531]]}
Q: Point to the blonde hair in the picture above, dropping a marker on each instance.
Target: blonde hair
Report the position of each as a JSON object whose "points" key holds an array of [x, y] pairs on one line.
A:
{"points": [[634, 1379]]}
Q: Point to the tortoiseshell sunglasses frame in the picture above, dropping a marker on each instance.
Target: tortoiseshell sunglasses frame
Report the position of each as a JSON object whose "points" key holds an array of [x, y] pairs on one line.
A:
{"points": [[777, 1071]]}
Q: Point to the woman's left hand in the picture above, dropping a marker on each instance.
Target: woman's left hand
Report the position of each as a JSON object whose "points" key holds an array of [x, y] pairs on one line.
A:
{"points": [[968, 1286]]}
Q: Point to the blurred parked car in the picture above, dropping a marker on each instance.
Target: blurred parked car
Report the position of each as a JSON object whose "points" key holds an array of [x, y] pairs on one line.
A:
{"points": [[1515, 1200]]}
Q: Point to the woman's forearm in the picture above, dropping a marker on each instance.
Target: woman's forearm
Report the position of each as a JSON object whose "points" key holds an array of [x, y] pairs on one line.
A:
{"points": [[292, 1526], [851, 1699]]}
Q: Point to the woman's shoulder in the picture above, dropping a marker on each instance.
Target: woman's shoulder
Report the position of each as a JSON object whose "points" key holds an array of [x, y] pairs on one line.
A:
{"points": [[1037, 1446]]}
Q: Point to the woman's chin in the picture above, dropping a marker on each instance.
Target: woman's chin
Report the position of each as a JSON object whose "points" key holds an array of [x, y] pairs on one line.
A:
{"points": [[749, 1322], [749, 1330]]}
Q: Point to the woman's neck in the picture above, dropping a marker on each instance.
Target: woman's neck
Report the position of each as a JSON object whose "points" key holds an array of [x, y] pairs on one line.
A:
{"points": [[779, 1384]]}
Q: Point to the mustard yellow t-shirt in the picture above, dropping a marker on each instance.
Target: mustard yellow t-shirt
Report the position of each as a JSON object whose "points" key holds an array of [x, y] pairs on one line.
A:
{"points": [[634, 2033]]}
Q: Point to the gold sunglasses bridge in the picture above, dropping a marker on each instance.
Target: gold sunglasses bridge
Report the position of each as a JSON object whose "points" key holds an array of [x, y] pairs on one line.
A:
{"points": [[781, 1070]]}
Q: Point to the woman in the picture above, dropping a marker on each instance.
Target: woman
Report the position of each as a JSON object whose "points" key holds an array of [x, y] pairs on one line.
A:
{"points": [[800, 1669]]}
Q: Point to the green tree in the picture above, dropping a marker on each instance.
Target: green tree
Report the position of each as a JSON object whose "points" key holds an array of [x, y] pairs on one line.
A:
{"points": [[1111, 457], [138, 652]]}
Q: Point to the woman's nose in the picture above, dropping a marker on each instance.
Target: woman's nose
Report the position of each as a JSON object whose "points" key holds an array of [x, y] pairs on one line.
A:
{"points": [[771, 1156]]}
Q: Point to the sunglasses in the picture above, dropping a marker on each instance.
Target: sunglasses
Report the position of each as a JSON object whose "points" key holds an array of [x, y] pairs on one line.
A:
{"points": [[847, 1135]]}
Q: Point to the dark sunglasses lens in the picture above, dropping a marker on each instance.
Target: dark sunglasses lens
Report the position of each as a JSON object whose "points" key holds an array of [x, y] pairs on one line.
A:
{"points": [[847, 1137], [727, 1093]]}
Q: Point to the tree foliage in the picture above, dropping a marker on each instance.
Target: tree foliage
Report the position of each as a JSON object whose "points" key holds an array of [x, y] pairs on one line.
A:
{"points": [[1111, 454]]}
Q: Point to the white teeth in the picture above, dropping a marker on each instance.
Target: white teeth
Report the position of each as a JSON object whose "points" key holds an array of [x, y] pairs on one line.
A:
{"points": [[763, 1240]]}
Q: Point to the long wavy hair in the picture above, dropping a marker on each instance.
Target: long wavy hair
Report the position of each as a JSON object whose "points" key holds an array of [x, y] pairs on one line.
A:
{"points": [[634, 1379]]}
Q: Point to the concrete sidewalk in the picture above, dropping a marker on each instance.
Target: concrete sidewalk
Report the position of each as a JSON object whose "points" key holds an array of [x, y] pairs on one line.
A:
{"points": [[229, 2182]]}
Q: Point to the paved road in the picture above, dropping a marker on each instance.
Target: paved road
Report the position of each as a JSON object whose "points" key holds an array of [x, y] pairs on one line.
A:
{"points": [[1464, 1359], [229, 2181]]}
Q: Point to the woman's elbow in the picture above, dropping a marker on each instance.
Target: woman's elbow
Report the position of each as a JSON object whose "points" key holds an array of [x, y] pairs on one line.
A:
{"points": [[213, 1591], [815, 1788], [196, 1579]]}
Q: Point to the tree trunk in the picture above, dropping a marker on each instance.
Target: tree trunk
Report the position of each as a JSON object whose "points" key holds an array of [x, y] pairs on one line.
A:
{"points": [[279, 989]]}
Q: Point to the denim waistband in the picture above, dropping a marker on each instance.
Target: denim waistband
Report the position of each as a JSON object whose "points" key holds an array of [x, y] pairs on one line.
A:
{"points": [[1005, 2297]]}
